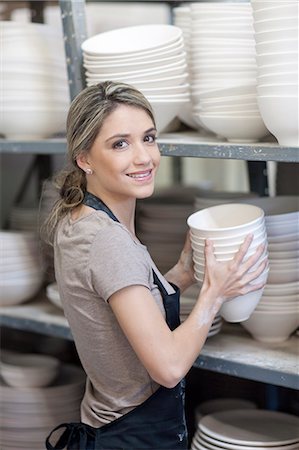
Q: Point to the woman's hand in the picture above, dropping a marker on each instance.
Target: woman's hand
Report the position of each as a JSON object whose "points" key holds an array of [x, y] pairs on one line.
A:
{"points": [[233, 278], [182, 274]]}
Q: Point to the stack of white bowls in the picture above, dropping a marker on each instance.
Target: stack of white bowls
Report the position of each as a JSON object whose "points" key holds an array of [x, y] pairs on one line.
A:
{"points": [[227, 225], [35, 95], [276, 24], [247, 429], [28, 414], [276, 316], [21, 269], [150, 57], [182, 19], [223, 71]]}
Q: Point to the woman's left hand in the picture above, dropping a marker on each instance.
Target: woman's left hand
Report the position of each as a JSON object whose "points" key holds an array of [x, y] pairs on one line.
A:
{"points": [[182, 274]]}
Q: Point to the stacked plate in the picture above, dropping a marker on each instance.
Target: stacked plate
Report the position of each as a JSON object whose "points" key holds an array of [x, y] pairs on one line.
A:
{"points": [[223, 71], [247, 429], [276, 24], [21, 268], [227, 225], [220, 404], [29, 414], [150, 57], [276, 316], [161, 224], [35, 95], [187, 302]]}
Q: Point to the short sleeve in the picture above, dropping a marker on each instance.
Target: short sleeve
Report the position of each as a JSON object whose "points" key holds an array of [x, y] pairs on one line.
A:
{"points": [[116, 261]]}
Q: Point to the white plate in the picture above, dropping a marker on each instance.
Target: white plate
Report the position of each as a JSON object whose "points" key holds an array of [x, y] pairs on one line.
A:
{"points": [[251, 427]]}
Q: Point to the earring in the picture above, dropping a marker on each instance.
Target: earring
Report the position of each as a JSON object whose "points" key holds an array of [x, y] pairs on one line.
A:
{"points": [[88, 171]]}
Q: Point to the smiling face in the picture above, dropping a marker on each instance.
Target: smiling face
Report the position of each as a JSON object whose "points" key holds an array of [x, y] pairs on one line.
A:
{"points": [[124, 157]]}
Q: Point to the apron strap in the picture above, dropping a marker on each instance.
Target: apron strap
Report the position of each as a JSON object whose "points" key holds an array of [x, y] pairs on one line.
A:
{"points": [[74, 432]]}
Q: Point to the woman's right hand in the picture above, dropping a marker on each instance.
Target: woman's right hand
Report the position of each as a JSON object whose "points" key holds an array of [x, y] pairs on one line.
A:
{"points": [[232, 278]]}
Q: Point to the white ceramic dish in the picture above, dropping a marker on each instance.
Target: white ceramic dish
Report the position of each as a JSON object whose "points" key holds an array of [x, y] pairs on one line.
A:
{"points": [[271, 327], [250, 427], [237, 238], [28, 370], [226, 219], [220, 249], [275, 24], [280, 113], [134, 66], [287, 33], [283, 78], [283, 45], [132, 40], [236, 129], [277, 58], [121, 59]]}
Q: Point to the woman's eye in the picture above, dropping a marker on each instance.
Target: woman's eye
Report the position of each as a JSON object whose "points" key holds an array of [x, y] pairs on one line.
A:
{"points": [[120, 144], [150, 138]]}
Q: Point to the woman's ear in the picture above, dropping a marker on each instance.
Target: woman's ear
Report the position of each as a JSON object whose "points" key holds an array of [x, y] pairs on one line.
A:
{"points": [[82, 162]]}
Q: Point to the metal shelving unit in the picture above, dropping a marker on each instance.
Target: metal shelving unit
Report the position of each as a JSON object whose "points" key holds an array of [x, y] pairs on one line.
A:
{"points": [[181, 145], [231, 352]]}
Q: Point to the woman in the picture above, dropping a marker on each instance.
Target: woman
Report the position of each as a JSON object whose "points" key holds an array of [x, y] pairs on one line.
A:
{"points": [[124, 315]]}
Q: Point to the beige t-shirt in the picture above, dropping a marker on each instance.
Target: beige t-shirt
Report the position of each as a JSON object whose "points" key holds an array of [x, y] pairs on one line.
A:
{"points": [[94, 258]]}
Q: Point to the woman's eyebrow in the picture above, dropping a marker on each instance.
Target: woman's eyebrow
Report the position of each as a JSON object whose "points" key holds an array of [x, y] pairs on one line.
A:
{"points": [[125, 135]]}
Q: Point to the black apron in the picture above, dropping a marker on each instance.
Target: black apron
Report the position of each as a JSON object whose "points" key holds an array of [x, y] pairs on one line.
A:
{"points": [[158, 423]]}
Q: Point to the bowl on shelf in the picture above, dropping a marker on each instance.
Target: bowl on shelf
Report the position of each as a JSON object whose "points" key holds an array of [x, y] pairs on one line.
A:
{"points": [[236, 129], [271, 327], [28, 370], [280, 114]]}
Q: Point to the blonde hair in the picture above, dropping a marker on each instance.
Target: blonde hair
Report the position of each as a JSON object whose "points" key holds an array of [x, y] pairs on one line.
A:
{"points": [[86, 116]]}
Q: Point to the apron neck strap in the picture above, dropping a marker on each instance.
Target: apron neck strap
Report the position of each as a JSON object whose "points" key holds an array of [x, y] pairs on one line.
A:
{"points": [[95, 202]]}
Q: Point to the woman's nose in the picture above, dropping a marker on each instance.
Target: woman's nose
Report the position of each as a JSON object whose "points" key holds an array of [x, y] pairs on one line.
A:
{"points": [[142, 154]]}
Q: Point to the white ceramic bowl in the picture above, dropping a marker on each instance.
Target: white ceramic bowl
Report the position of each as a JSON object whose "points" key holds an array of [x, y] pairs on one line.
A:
{"points": [[16, 292], [282, 78], [290, 254], [283, 247], [134, 66], [271, 327], [236, 129], [225, 220], [287, 10], [28, 370], [257, 5], [25, 123], [280, 114], [240, 308], [232, 239], [278, 69], [280, 208], [283, 238], [265, 36], [224, 248], [152, 56], [277, 58], [275, 24], [283, 228], [132, 40], [281, 275], [166, 111], [284, 289], [277, 46]]}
